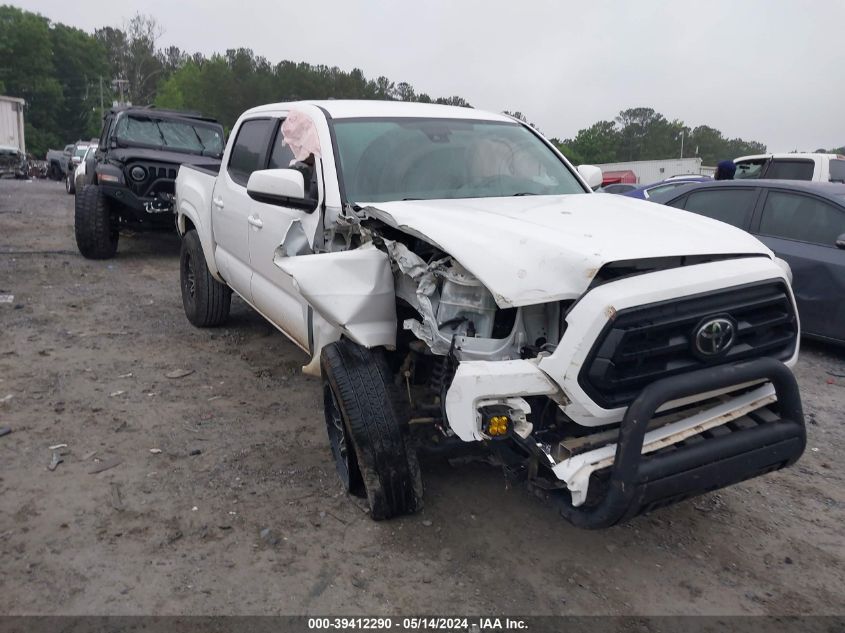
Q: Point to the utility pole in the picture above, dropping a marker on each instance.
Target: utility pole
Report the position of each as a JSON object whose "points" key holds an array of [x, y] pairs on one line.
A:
{"points": [[682, 144]]}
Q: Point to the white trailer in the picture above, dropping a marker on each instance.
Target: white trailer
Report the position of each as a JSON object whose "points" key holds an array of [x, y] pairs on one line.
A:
{"points": [[649, 171], [11, 123]]}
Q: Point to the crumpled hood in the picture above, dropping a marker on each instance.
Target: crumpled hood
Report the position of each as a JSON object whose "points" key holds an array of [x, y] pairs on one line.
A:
{"points": [[533, 249]]}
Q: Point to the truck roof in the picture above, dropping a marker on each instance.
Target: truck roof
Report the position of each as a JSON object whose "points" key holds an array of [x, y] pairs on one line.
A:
{"points": [[350, 109], [810, 155], [161, 112]]}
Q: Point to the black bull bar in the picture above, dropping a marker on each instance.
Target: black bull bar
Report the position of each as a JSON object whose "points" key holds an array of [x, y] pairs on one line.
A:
{"points": [[639, 483]]}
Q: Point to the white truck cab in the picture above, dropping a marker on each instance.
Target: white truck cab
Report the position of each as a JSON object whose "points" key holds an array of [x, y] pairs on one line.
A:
{"points": [[795, 166], [453, 280]]}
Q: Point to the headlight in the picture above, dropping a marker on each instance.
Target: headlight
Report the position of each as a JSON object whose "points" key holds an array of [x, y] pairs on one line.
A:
{"points": [[137, 173]]}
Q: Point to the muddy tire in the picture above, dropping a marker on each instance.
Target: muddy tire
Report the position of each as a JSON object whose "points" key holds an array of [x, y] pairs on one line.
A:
{"points": [[359, 391], [206, 301], [96, 236]]}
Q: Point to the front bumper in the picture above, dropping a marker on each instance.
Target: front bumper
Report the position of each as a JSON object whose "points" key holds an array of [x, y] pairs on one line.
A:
{"points": [[641, 482]]}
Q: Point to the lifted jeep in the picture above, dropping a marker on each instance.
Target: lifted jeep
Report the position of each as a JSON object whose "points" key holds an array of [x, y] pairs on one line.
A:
{"points": [[134, 170]]}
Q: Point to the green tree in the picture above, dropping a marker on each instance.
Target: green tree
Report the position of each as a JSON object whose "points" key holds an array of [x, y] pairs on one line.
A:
{"points": [[598, 143]]}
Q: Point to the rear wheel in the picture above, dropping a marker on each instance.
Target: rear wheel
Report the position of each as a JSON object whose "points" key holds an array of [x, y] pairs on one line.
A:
{"points": [[206, 301], [70, 187], [96, 236], [367, 426]]}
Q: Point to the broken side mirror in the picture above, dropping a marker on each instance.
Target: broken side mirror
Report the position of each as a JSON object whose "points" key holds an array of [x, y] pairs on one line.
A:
{"points": [[282, 187], [592, 175], [840, 241]]}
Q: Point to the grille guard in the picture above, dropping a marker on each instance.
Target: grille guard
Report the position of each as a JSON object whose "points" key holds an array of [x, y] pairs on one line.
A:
{"points": [[639, 483]]}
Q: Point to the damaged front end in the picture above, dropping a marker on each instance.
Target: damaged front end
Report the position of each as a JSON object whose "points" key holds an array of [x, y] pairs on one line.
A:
{"points": [[476, 368]]}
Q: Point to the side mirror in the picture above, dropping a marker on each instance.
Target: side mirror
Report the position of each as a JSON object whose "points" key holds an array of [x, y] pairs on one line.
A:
{"points": [[840, 241], [592, 175], [282, 187]]}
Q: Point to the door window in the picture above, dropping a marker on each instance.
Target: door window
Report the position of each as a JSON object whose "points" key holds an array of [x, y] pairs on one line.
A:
{"points": [[250, 149], [837, 170], [733, 206], [802, 218], [786, 169]]}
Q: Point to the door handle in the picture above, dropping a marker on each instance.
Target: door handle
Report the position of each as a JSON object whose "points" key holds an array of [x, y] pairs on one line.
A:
{"points": [[217, 202], [255, 221]]}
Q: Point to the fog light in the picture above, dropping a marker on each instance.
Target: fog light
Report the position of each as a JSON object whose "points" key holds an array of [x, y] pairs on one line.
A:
{"points": [[496, 421]]}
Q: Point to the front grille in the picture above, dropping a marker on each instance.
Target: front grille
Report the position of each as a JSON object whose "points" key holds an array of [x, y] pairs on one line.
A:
{"points": [[158, 178], [646, 343]]}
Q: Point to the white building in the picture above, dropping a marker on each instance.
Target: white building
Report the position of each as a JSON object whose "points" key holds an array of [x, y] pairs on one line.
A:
{"points": [[11, 122], [648, 171]]}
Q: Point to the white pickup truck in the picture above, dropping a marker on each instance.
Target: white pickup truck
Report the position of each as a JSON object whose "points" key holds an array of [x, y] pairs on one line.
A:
{"points": [[454, 280], [796, 166]]}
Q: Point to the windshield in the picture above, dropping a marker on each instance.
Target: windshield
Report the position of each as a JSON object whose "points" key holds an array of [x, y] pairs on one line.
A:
{"points": [[80, 151], [425, 159], [180, 135], [749, 168]]}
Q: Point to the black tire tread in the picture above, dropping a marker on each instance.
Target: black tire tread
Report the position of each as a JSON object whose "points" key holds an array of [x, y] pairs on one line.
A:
{"points": [[376, 418], [213, 300], [96, 238]]}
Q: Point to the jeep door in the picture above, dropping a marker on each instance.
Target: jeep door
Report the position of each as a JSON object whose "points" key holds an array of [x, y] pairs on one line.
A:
{"points": [[231, 204], [285, 230]]}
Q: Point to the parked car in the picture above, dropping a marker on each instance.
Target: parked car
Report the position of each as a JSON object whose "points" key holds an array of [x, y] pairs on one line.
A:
{"points": [[455, 281], [82, 175], [797, 166], [619, 187], [133, 170], [645, 192], [80, 149], [803, 223], [58, 161], [13, 162]]}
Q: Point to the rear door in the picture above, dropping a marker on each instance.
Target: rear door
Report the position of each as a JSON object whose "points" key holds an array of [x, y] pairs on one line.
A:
{"points": [[802, 229], [733, 205], [231, 204], [273, 290]]}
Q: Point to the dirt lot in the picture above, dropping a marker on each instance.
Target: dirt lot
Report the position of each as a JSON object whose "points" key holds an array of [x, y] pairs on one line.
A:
{"points": [[85, 349]]}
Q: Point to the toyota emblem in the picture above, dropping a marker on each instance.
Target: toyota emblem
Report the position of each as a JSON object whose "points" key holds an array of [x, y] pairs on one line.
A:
{"points": [[714, 336]]}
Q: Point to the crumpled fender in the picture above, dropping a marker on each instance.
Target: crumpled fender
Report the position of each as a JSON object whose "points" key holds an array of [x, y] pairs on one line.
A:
{"points": [[352, 290]]}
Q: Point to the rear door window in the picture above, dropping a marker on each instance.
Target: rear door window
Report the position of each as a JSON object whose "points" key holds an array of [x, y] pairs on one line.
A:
{"points": [[249, 153], [803, 218], [733, 206], [790, 169], [837, 170]]}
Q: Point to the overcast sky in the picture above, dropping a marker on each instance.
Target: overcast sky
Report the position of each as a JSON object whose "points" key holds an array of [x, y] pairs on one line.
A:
{"points": [[764, 70]]}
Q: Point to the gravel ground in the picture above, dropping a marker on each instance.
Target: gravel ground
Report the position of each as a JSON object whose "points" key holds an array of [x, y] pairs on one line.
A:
{"points": [[255, 521]]}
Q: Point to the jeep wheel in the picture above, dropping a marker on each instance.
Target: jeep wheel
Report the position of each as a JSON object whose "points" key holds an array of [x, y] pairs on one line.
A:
{"points": [[368, 431], [69, 185], [55, 172], [206, 300], [96, 237]]}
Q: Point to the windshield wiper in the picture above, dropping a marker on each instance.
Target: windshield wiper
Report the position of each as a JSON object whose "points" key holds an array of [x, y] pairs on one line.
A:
{"points": [[199, 140], [525, 193]]}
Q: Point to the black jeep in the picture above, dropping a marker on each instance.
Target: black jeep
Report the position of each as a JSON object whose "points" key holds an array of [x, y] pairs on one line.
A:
{"points": [[130, 178]]}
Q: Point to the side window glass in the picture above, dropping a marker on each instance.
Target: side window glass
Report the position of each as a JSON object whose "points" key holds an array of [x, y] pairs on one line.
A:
{"points": [[733, 206], [679, 203], [749, 168], [249, 151], [790, 169], [281, 156], [803, 218]]}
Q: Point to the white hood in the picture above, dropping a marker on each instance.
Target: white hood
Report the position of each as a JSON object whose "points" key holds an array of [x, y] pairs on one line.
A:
{"points": [[533, 249]]}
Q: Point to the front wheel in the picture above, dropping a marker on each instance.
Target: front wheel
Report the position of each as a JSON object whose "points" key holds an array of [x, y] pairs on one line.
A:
{"points": [[206, 301], [367, 426], [70, 186], [96, 234]]}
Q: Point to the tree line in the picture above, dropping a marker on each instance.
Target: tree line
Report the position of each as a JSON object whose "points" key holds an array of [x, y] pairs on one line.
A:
{"points": [[67, 75]]}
